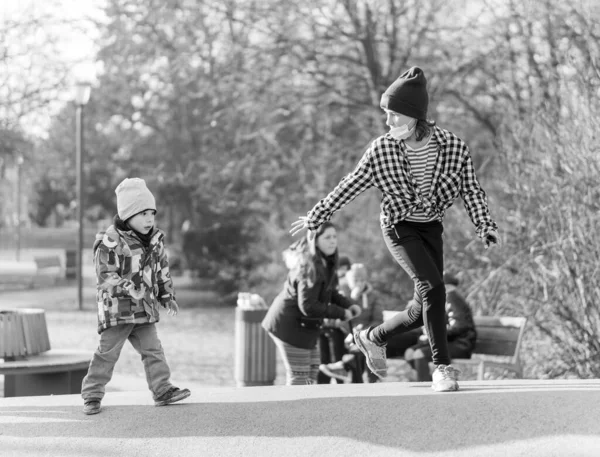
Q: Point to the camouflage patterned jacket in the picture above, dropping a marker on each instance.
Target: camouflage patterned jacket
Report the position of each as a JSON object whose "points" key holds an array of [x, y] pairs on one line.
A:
{"points": [[120, 257]]}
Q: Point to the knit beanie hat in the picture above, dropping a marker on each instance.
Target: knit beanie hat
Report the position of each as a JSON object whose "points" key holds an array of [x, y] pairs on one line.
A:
{"points": [[408, 95], [344, 261], [357, 273], [133, 197], [450, 279]]}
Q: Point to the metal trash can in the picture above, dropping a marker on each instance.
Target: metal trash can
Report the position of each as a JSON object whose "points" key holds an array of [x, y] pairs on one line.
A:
{"points": [[70, 264], [23, 332], [255, 359]]}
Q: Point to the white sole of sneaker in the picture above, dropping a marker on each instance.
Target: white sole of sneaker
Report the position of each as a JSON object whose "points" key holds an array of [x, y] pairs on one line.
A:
{"points": [[452, 389]]}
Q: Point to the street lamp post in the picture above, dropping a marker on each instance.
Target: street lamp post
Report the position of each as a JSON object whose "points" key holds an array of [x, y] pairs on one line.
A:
{"points": [[82, 96], [19, 165]]}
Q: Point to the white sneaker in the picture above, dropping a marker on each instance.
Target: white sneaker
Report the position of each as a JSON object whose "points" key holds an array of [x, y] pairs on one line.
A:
{"points": [[445, 378]]}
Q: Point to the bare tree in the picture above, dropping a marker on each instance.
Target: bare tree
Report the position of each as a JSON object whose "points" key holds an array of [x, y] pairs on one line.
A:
{"points": [[33, 70]]}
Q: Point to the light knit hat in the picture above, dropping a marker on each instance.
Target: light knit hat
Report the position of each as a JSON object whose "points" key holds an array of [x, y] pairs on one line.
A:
{"points": [[133, 197], [357, 273]]}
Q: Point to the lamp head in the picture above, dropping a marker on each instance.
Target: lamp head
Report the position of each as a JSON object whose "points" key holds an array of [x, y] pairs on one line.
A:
{"points": [[84, 75], [82, 93]]}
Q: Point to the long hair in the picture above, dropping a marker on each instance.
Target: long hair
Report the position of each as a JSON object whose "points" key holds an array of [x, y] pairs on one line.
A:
{"points": [[310, 258], [423, 128]]}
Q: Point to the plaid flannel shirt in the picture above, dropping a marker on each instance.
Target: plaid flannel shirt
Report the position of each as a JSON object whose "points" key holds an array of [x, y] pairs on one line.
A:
{"points": [[385, 166]]}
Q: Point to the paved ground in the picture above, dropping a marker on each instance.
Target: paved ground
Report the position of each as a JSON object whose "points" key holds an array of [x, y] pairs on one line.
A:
{"points": [[494, 418], [504, 418]]}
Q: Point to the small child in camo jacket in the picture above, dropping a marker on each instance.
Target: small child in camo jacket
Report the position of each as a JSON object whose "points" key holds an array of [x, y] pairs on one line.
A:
{"points": [[132, 275]]}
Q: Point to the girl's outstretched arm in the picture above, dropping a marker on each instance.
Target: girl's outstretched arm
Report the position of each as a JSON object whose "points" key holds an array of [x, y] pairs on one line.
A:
{"points": [[350, 187]]}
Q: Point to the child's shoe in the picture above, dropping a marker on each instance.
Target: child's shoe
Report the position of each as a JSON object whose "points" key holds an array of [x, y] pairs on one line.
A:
{"points": [[91, 406], [172, 395]]}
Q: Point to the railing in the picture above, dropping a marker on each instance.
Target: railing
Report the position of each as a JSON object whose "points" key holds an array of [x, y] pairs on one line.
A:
{"points": [[45, 238]]}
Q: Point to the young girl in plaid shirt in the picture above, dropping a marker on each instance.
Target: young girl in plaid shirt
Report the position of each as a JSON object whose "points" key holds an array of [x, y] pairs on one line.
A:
{"points": [[420, 170]]}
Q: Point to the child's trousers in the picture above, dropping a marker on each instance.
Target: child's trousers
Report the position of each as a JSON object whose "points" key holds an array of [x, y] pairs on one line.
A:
{"points": [[144, 339]]}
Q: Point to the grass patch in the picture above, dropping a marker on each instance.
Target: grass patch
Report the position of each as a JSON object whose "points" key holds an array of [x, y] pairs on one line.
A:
{"points": [[198, 343]]}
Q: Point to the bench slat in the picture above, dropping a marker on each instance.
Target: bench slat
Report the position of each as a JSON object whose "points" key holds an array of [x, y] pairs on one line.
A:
{"points": [[499, 336], [507, 334], [495, 347], [54, 360], [46, 262], [499, 321]]}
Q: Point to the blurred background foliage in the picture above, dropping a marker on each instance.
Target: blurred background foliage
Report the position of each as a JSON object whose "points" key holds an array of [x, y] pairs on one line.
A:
{"points": [[241, 114]]}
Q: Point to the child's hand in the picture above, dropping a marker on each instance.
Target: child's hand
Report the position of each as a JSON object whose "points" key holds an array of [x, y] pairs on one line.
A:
{"points": [[134, 292], [347, 315], [491, 239], [173, 308], [355, 310], [356, 293]]}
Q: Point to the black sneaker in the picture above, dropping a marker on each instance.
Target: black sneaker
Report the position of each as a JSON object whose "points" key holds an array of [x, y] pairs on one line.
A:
{"points": [[171, 396], [91, 406]]}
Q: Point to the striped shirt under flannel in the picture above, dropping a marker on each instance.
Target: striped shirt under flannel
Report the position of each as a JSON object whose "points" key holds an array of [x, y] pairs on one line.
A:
{"points": [[385, 166], [422, 166]]}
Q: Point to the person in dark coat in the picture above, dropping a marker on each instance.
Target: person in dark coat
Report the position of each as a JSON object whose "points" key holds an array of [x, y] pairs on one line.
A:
{"points": [[331, 340], [360, 290], [309, 295]]}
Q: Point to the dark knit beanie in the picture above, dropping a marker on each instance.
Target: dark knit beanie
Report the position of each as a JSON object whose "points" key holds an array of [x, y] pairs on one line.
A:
{"points": [[450, 279], [408, 95], [344, 262]]}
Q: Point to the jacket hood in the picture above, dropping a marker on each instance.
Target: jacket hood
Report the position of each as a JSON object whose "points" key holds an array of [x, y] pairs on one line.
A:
{"points": [[111, 236]]}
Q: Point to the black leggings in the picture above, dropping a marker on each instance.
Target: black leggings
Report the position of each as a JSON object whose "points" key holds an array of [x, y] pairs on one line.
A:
{"points": [[419, 249], [332, 348]]}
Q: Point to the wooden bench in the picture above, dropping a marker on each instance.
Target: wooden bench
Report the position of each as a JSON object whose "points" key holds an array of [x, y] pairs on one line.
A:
{"points": [[29, 366], [52, 372], [498, 344], [14, 273], [49, 269], [42, 271]]}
